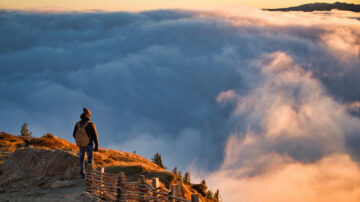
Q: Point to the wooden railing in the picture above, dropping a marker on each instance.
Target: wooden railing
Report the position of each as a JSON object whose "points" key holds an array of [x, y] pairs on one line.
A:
{"points": [[114, 187]]}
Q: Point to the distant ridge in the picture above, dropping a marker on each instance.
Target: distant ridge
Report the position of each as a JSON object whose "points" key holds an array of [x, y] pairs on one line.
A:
{"points": [[320, 7]]}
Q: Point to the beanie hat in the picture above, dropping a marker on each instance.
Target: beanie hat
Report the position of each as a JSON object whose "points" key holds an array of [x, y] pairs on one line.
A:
{"points": [[86, 112]]}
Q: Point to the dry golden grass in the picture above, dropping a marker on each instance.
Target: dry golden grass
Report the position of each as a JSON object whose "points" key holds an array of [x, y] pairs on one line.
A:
{"points": [[110, 158], [9, 138], [102, 158], [9, 143], [51, 141]]}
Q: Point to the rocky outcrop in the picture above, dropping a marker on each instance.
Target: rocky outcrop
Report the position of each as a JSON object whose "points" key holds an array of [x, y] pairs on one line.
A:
{"points": [[38, 174], [35, 163]]}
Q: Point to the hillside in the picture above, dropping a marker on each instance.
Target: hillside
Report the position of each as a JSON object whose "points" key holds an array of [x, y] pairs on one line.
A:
{"points": [[48, 169], [321, 7]]}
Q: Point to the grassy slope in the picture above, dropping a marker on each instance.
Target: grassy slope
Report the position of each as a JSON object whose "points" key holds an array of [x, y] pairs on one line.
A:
{"points": [[114, 161]]}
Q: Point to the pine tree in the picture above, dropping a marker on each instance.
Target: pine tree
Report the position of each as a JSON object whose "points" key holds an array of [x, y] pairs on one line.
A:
{"points": [[217, 196], [24, 132], [179, 176], [174, 171], [157, 160], [203, 185], [209, 194], [186, 178]]}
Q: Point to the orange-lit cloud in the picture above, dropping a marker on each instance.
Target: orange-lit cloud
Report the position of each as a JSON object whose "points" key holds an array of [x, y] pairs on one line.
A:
{"points": [[289, 120], [332, 179], [343, 42], [355, 106], [293, 148], [226, 96]]}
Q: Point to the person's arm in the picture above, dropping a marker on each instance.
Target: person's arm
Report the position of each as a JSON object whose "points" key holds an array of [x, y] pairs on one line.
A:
{"points": [[75, 129], [95, 136]]}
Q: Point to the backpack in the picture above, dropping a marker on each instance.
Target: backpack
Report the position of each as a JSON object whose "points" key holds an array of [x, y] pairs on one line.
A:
{"points": [[81, 137]]}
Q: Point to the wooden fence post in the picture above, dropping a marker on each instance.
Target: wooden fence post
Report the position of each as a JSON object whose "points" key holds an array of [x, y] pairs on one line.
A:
{"points": [[195, 198], [89, 178], [102, 174], [142, 179], [101, 181], [175, 189], [178, 190], [142, 182], [155, 183], [120, 180]]}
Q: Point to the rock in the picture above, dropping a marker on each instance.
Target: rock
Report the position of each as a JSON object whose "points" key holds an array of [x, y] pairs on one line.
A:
{"points": [[41, 181], [71, 173], [26, 184], [10, 172], [61, 184], [83, 196], [39, 193], [14, 190], [35, 163]]}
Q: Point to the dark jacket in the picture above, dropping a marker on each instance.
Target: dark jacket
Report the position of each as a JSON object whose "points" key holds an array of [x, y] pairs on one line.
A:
{"points": [[90, 130]]}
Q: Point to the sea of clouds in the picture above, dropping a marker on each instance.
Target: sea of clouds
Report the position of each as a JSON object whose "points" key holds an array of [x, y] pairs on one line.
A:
{"points": [[264, 105]]}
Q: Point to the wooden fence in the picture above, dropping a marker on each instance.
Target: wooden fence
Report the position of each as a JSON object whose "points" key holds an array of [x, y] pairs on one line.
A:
{"points": [[114, 187]]}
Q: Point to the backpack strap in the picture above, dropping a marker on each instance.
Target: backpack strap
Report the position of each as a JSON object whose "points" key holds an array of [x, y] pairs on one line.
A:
{"points": [[83, 126], [86, 124]]}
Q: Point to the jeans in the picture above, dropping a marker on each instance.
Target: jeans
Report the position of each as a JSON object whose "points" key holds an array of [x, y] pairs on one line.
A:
{"points": [[89, 151]]}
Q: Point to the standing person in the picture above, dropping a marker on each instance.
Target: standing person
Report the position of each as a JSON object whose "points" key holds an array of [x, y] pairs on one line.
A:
{"points": [[85, 135]]}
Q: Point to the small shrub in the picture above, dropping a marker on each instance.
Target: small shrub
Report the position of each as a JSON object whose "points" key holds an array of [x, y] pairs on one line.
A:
{"points": [[186, 179], [217, 196], [179, 176], [24, 132]]}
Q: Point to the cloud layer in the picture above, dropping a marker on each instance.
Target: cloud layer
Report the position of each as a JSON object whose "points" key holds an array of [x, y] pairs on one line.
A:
{"points": [[333, 178], [253, 98]]}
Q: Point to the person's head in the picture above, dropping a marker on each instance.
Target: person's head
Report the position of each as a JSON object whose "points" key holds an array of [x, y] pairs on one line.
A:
{"points": [[86, 113]]}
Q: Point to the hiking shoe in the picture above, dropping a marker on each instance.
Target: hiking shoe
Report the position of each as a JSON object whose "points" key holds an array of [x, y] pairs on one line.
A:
{"points": [[82, 175]]}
